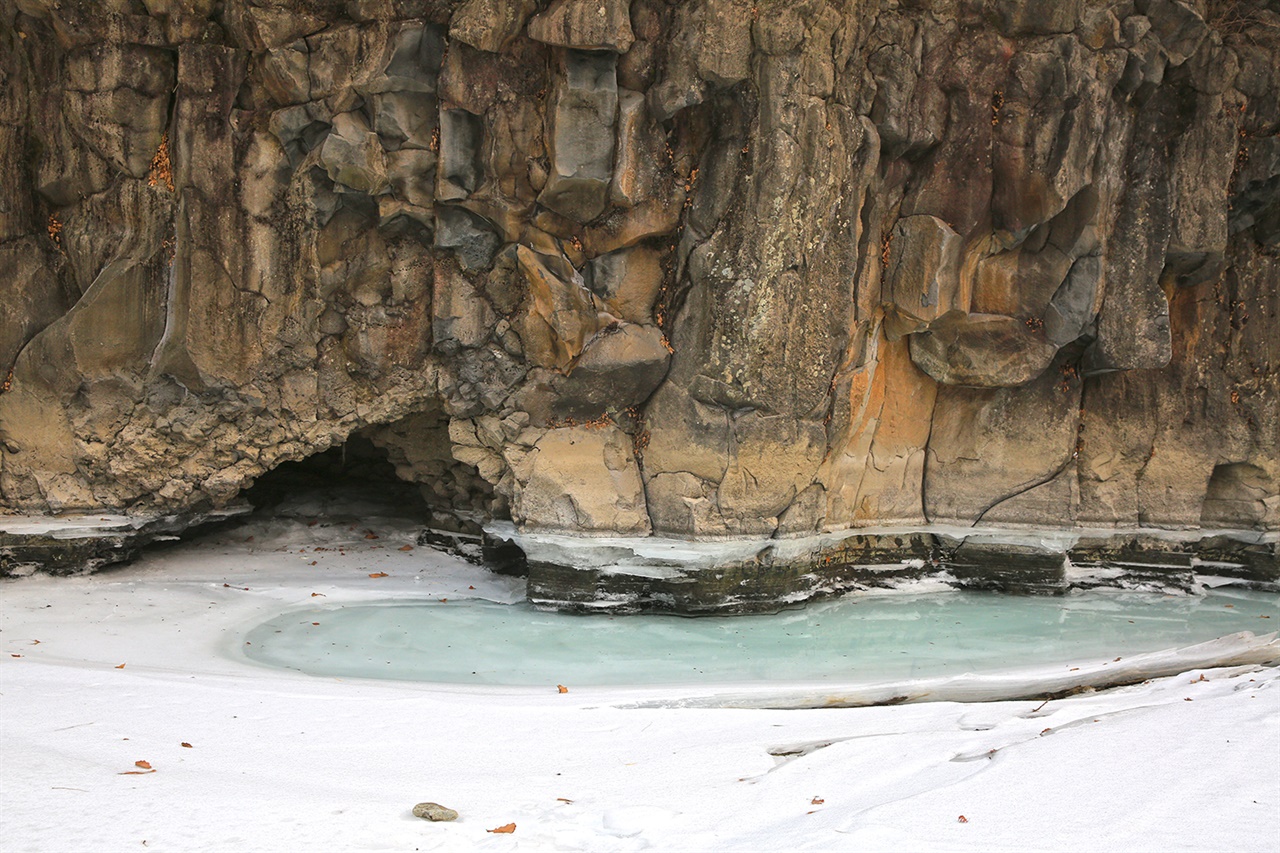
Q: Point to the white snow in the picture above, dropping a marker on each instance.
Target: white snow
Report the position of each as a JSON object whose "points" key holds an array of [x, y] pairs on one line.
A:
{"points": [[287, 762]]}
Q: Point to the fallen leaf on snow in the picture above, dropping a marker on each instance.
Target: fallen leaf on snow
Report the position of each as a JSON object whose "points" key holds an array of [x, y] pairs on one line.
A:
{"points": [[817, 801], [12, 655], [121, 666], [471, 587], [318, 594], [144, 768], [186, 745], [564, 800], [562, 688], [406, 547], [510, 827], [962, 819], [371, 535], [378, 574]]}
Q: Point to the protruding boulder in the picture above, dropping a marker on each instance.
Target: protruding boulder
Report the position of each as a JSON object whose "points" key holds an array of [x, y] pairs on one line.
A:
{"points": [[582, 479], [618, 369], [585, 25], [982, 350]]}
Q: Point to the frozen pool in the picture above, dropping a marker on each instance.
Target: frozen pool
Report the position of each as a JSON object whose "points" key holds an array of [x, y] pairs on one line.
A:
{"points": [[859, 638]]}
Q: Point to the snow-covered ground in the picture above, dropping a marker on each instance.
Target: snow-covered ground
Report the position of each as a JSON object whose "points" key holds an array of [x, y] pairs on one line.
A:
{"points": [[145, 664]]}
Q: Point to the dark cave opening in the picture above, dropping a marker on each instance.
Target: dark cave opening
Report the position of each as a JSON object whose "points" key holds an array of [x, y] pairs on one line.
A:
{"points": [[354, 478], [358, 480]]}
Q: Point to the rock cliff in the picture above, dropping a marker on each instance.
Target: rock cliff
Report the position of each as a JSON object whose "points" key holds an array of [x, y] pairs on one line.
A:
{"points": [[706, 268]]}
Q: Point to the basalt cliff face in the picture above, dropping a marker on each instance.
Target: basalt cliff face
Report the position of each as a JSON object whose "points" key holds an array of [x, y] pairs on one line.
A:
{"points": [[632, 267]]}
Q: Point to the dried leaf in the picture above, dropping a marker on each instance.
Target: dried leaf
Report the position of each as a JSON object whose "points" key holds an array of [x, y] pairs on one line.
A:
{"points": [[121, 666], [371, 535], [472, 587], [817, 801], [1045, 731], [135, 772], [962, 819], [378, 574], [186, 745], [510, 827], [14, 656], [562, 688], [406, 547], [318, 594], [315, 623], [564, 800], [145, 765], [313, 562]]}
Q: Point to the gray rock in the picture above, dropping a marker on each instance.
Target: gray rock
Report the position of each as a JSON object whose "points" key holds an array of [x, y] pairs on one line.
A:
{"points": [[581, 143], [434, 812]]}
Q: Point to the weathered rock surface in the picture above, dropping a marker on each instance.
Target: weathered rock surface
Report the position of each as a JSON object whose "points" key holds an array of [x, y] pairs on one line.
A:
{"points": [[709, 268]]}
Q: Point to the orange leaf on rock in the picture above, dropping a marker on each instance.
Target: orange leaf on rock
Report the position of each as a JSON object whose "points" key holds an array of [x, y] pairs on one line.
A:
{"points": [[371, 535], [510, 827], [378, 574]]}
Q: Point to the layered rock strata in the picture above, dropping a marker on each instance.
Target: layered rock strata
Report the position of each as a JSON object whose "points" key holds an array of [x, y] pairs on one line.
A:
{"points": [[714, 268]]}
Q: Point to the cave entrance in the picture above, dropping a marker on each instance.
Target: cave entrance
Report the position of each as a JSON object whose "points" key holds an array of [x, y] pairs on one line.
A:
{"points": [[356, 478], [403, 470]]}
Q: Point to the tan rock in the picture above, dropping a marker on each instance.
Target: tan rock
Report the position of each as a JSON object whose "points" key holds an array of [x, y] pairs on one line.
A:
{"points": [[583, 479]]}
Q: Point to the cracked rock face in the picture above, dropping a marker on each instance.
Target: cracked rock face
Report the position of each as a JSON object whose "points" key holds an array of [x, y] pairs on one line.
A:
{"points": [[706, 268]]}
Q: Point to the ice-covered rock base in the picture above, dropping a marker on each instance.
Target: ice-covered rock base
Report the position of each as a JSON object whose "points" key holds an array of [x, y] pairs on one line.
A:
{"points": [[758, 575]]}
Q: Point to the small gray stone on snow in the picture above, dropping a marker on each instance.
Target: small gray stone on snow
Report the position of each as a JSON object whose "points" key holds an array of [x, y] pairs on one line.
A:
{"points": [[434, 811]]}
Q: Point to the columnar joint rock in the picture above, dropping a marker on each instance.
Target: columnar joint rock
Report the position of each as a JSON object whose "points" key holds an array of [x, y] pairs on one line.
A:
{"points": [[711, 268]]}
